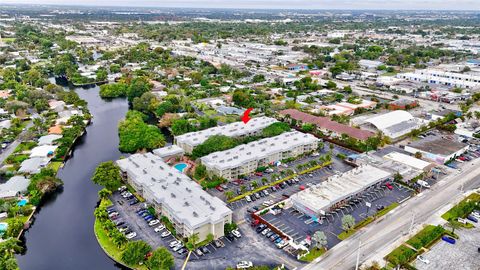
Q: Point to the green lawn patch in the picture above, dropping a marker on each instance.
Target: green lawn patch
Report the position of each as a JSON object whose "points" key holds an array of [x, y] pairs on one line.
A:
{"points": [[313, 254], [55, 165], [25, 146], [401, 255], [426, 237], [463, 208]]}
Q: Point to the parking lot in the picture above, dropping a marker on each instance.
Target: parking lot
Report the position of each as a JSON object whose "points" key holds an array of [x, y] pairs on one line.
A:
{"points": [[298, 226], [463, 255], [246, 247]]}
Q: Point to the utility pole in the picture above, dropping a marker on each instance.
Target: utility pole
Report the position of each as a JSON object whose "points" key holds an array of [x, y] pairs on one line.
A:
{"points": [[358, 254], [411, 224]]}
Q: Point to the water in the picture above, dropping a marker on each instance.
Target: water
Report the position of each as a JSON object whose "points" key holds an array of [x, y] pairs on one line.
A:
{"points": [[180, 167], [62, 235]]}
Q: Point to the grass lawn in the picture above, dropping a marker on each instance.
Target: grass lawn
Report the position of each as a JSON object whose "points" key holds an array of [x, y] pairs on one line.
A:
{"points": [[55, 165], [314, 253], [461, 209], [7, 40]]}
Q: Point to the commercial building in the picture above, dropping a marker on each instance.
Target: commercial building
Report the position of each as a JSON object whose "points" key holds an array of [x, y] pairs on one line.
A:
{"points": [[337, 190], [246, 158], [438, 149], [255, 126], [325, 125], [175, 196], [437, 76], [410, 161], [396, 123]]}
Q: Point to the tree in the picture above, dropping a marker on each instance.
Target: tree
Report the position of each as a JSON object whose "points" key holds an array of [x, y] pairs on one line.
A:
{"points": [[137, 87], [135, 252], [15, 225], [107, 174], [7, 250], [100, 213], [348, 221], [161, 259], [135, 134], [104, 193], [192, 241], [320, 239], [118, 238], [229, 227], [146, 103], [229, 194], [418, 155], [181, 126], [453, 224]]}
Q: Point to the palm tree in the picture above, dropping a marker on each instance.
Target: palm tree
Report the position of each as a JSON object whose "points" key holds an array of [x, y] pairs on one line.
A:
{"points": [[9, 247], [254, 184], [119, 239], [101, 213], [264, 180], [229, 194], [193, 240], [243, 188]]}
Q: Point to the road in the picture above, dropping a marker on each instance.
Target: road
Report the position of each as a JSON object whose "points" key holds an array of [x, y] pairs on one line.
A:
{"points": [[381, 235], [10, 148]]}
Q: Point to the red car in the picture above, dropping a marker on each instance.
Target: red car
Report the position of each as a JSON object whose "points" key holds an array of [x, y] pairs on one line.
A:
{"points": [[390, 187], [259, 174], [219, 188]]}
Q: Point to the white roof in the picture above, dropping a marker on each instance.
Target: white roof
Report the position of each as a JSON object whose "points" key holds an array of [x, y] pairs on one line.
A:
{"points": [[48, 139], [33, 165], [338, 187], [408, 160], [232, 130], [173, 190], [43, 150], [389, 119], [168, 151], [13, 186], [257, 150]]}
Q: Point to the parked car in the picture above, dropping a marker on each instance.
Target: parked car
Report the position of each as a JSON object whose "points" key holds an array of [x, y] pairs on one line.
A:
{"points": [[218, 243], [259, 174], [177, 247], [248, 198], [448, 239], [198, 252], [423, 184], [165, 234], [174, 243], [182, 251], [131, 235], [236, 233], [153, 222], [472, 218], [423, 259], [219, 188], [230, 237], [267, 230], [389, 186], [244, 265], [159, 228], [204, 249]]}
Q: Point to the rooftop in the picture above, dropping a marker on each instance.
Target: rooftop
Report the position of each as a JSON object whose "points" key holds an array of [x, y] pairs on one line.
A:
{"points": [[257, 150], [438, 145], [184, 198], [232, 130], [326, 123]]}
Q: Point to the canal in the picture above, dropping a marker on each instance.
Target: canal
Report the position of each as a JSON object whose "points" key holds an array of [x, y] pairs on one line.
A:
{"points": [[62, 235]]}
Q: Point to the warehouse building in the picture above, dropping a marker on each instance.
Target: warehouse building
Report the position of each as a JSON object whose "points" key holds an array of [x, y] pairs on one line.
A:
{"points": [[437, 149], [174, 195], [338, 190], [246, 158], [396, 123], [253, 127]]}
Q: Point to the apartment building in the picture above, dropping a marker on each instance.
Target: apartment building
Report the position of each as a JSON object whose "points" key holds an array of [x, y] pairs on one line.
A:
{"points": [[246, 158], [174, 195], [255, 126]]}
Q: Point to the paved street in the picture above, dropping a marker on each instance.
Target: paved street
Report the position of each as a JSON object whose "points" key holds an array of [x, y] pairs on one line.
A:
{"points": [[378, 237], [11, 147]]}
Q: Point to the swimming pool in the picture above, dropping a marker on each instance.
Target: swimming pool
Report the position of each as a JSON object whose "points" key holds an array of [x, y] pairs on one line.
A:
{"points": [[3, 227], [180, 166], [22, 202]]}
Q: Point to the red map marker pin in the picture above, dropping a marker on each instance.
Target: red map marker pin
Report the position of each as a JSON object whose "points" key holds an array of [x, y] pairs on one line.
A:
{"points": [[246, 117]]}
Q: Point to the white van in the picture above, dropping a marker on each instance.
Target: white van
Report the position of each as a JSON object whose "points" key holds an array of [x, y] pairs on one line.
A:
{"points": [[423, 184]]}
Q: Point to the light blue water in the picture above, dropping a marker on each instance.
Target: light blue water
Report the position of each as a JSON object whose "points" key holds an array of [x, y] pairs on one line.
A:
{"points": [[180, 166], [22, 202], [3, 227]]}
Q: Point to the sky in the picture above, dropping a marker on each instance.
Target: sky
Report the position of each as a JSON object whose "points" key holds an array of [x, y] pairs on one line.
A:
{"points": [[473, 5]]}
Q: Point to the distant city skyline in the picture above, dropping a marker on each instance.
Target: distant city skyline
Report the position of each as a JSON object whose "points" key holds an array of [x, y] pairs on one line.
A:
{"points": [[472, 5]]}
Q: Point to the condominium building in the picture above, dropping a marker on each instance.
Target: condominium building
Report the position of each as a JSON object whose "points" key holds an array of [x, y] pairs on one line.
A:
{"points": [[246, 158], [253, 127], [174, 195]]}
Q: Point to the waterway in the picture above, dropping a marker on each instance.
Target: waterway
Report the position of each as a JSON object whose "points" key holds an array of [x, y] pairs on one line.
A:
{"points": [[62, 236]]}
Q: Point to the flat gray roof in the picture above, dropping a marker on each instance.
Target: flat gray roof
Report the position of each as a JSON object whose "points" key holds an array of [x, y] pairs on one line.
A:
{"points": [[236, 129], [256, 150], [183, 197], [168, 151], [438, 145]]}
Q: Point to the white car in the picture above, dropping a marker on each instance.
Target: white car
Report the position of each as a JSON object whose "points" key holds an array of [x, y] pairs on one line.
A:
{"points": [[153, 222], [476, 215], [282, 244], [177, 247], [244, 265], [174, 243], [248, 198], [267, 230], [423, 259], [236, 233], [159, 228], [165, 234], [131, 235]]}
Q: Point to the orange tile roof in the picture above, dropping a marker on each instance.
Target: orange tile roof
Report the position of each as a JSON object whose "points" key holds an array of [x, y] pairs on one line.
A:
{"points": [[57, 129]]}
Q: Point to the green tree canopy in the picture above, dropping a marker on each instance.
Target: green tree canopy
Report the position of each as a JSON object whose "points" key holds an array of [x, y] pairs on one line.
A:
{"points": [[108, 175]]}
